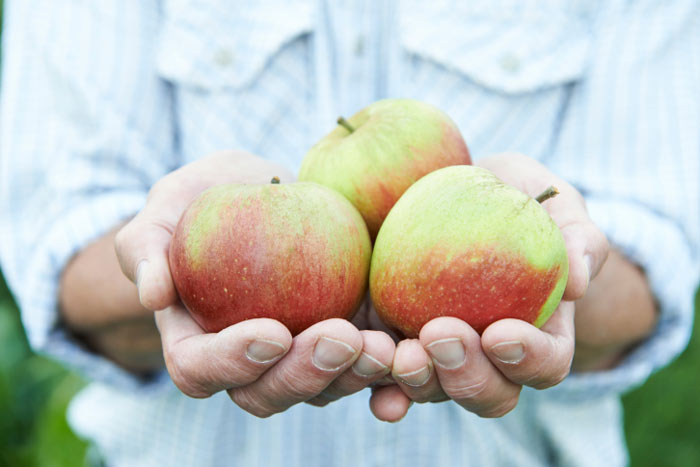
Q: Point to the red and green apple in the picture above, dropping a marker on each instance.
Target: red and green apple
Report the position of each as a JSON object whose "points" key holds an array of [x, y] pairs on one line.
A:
{"points": [[375, 155], [298, 253], [462, 243]]}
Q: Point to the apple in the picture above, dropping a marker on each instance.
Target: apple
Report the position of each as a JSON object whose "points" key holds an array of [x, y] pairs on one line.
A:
{"points": [[298, 253], [462, 243], [374, 156]]}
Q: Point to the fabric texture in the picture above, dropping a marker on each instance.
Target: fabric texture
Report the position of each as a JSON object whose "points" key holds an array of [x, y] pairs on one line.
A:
{"points": [[101, 99]]}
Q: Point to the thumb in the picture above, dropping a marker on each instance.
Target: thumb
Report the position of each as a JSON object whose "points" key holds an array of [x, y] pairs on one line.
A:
{"points": [[587, 249], [142, 249]]}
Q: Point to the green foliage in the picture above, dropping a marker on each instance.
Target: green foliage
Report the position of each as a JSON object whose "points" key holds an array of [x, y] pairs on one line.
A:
{"points": [[34, 393], [663, 416]]}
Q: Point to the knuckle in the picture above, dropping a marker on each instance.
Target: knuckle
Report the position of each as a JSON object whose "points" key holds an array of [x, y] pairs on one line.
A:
{"points": [[238, 374], [500, 408], [253, 403], [552, 369], [227, 360], [162, 225], [602, 240], [119, 238], [281, 392], [122, 239], [561, 375], [552, 380], [422, 396], [298, 387], [470, 391], [159, 186], [180, 376]]}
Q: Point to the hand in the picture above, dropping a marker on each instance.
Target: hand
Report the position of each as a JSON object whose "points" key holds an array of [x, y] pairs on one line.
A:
{"points": [[484, 374], [263, 369]]}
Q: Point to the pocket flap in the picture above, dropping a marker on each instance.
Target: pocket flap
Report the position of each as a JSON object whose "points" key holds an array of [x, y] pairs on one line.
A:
{"points": [[217, 45], [503, 50]]}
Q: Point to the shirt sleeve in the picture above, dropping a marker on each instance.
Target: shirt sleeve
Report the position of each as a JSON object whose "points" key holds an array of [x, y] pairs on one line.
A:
{"points": [[86, 129], [630, 141]]}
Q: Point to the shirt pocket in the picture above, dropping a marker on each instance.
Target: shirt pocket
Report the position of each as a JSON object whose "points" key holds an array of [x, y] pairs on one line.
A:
{"points": [[218, 45], [503, 46]]}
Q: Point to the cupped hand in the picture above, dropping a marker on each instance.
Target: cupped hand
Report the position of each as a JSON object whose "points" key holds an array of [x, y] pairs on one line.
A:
{"points": [[262, 367], [484, 374]]}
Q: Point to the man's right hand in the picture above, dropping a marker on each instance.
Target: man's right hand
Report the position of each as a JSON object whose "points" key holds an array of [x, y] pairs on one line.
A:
{"points": [[259, 364]]}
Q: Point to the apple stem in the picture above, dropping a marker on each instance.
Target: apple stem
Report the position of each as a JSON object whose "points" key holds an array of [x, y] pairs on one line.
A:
{"points": [[344, 123], [550, 192], [275, 180]]}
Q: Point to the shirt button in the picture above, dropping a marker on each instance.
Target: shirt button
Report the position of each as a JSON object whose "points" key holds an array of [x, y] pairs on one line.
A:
{"points": [[223, 57], [510, 63]]}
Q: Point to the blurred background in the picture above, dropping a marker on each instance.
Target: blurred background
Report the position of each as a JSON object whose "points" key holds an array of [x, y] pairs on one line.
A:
{"points": [[662, 418]]}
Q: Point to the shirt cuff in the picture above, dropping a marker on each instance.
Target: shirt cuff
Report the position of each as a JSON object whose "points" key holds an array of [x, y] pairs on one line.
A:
{"points": [[664, 252], [81, 224]]}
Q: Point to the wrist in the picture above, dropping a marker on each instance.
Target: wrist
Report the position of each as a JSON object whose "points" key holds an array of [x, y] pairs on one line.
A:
{"points": [[617, 312], [100, 307], [93, 292], [131, 344]]}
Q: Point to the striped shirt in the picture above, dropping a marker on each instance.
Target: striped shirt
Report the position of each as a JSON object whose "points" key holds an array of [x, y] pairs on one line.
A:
{"points": [[101, 99]]}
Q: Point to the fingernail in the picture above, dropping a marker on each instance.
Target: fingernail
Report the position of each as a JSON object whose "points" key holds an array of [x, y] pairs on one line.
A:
{"points": [[448, 353], [416, 378], [264, 351], [140, 272], [331, 354], [366, 365], [509, 352]]}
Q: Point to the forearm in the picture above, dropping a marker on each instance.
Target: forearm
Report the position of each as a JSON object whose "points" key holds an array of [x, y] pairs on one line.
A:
{"points": [[100, 306], [617, 312]]}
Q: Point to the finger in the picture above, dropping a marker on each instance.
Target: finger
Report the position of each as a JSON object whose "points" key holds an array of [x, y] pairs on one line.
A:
{"points": [[413, 371], [533, 357], [587, 247], [389, 403], [201, 364], [466, 375], [142, 248], [318, 356], [372, 365], [142, 245]]}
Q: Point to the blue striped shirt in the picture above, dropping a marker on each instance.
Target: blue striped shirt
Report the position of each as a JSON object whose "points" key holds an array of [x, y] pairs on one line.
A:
{"points": [[101, 99]]}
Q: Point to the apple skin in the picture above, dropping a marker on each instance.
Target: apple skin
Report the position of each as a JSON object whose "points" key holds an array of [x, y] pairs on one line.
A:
{"points": [[395, 143], [298, 253], [462, 243]]}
